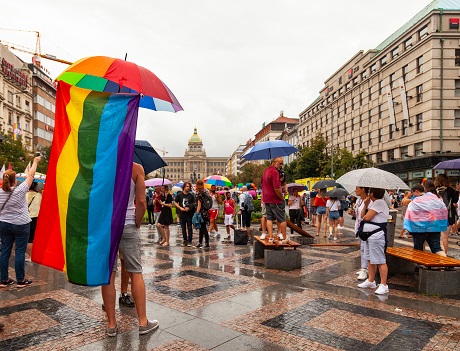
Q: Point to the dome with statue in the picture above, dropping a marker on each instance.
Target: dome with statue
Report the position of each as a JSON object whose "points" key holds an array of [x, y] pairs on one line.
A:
{"points": [[195, 138]]}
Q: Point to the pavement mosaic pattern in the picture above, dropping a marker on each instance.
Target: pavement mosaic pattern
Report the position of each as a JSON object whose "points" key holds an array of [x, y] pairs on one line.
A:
{"points": [[220, 298]]}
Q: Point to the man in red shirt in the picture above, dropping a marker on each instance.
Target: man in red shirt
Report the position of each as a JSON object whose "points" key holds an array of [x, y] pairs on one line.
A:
{"points": [[273, 197]]}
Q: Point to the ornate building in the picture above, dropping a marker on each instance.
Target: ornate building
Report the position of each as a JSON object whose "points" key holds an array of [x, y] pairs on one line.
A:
{"points": [[194, 164]]}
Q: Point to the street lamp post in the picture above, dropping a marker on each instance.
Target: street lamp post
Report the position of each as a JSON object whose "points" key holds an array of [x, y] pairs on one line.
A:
{"points": [[332, 139]]}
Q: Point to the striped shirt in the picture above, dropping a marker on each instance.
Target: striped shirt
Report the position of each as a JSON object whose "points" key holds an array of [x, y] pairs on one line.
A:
{"points": [[15, 211]]}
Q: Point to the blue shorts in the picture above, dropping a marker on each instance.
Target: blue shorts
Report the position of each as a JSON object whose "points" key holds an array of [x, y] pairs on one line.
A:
{"points": [[334, 215], [321, 210]]}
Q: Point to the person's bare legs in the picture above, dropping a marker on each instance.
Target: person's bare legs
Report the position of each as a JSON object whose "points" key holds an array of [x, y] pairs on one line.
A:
{"points": [[319, 218], [335, 222], [138, 291], [166, 233], [264, 224], [124, 277], [324, 219], [270, 228], [29, 249], [108, 296], [372, 269], [161, 232], [445, 240], [282, 228], [383, 271]]}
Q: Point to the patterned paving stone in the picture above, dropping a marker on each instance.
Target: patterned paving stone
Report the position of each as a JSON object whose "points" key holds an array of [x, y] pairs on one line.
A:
{"points": [[314, 320], [191, 287], [54, 321], [179, 345]]}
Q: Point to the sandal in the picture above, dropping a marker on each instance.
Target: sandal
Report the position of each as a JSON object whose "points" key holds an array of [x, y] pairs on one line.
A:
{"points": [[166, 243]]}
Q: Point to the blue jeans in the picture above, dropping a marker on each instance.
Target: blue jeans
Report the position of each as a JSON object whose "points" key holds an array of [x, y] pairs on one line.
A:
{"points": [[11, 233], [433, 240], [186, 225]]}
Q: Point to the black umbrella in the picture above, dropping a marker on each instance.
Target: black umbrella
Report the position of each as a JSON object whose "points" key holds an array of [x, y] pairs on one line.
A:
{"points": [[325, 183], [145, 155], [337, 192]]}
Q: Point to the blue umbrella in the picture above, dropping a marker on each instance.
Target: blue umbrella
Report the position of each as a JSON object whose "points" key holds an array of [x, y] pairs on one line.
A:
{"points": [[451, 164], [180, 184], [145, 155], [270, 149]]}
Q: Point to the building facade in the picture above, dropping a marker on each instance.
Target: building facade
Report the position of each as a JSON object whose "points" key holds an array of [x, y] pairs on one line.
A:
{"points": [[270, 131], [399, 102], [15, 98], [233, 167], [44, 94], [194, 164]]}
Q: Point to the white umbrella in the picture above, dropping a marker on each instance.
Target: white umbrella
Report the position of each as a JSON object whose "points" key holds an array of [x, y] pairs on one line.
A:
{"points": [[371, 177]]}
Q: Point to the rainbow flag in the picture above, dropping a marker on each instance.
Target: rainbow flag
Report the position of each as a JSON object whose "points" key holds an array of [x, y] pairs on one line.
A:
{"points": [[87, 184]]}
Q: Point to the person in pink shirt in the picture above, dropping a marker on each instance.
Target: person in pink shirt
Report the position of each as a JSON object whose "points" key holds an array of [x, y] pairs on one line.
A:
{"points": [[273, 198], [229, 213]]}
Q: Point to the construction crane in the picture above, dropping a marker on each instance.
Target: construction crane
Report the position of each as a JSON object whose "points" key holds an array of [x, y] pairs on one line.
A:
{"points": [[37, 54], [163, 151]]}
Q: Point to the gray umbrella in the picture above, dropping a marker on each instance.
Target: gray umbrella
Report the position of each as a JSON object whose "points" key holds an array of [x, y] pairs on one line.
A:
{"points": [[325, 183], [337, 192], [372, 178]]}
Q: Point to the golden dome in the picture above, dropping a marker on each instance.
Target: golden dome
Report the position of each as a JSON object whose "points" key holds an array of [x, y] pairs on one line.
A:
{"points": [[195, 138]]}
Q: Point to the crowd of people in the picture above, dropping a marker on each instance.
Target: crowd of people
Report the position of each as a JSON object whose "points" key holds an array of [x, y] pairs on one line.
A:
{"points": [[429, 211]]}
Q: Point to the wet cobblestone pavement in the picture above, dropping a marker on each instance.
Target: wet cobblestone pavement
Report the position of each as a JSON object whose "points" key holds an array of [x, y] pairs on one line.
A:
{"points": [[221, 298]]}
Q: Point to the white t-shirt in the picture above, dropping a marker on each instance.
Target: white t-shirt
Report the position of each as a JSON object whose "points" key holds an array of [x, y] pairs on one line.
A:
{"points": [[295, 205], [383, 212], [332, 205]]}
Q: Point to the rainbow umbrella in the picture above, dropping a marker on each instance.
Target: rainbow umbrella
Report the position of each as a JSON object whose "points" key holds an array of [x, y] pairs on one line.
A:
{"points": [[217, 180], [251, 185], [107, 74]]}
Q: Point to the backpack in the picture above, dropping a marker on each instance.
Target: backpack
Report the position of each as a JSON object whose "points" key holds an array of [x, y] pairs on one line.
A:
{"points": [[344, 205], [207, 201], [149, 201], [249, 203], [445, 198]]}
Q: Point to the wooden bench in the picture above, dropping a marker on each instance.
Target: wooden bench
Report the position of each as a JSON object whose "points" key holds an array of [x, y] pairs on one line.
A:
{"points": [[437, 277], [277, 254]]}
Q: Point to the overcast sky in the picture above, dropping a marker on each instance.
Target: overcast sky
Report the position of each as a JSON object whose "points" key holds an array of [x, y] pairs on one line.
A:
{"points": [[233, 65]]}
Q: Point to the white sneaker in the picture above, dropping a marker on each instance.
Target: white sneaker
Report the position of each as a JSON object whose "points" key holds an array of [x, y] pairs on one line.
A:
{"points": [[217, 234], [280, 236], [270, 240], [263, 236], [367, 284], [335, 238], [362, 274], [382, 289]]}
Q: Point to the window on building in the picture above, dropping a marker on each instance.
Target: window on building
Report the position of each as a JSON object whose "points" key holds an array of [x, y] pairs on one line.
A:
{"points": [[423, 32], [361, 120], [340, 80], [391, 155], [395, 52], [341, 91], [27, 105], [381, 92], [391, 129], [361, 98], [404, 126], [374, 68], [419, 122], [10, 118], [383, 61], [408, 43], [419, 65], [355, 81], [352, 124], [348, 86], [418, 148], [369, 94], [363, 75], [345, 128], [404, 151], [334, 96], [392, 80], [457, 87], [10, 97], [380, 112], [405, 71], [380, 135], [18, 101], [370, 116], [457, 57], [457, 118], [370, 138], [352, 144], [419, 90], [360, 141], [379, 157]]}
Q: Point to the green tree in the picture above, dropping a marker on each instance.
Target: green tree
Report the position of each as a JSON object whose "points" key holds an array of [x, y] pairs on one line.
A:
{"points": [[12, 151], [251, 172]]}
